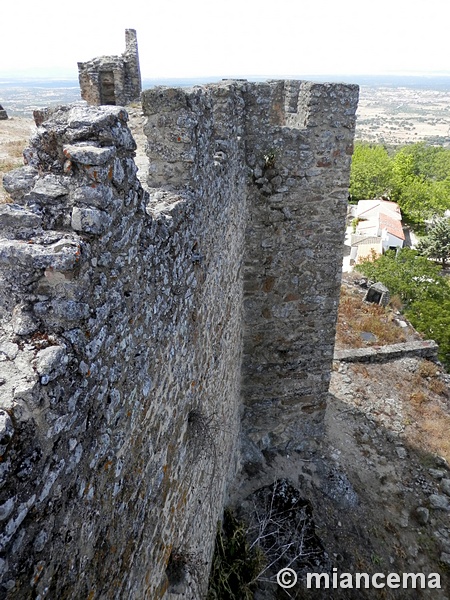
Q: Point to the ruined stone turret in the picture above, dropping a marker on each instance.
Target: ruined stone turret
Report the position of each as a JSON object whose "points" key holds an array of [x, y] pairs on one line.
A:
{"points": [[112, 79]]}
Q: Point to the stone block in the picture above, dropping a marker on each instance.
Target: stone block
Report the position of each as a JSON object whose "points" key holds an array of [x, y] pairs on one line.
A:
{"points": [[88, 154], [89, 220], [17, 217], [20, 181], [440, 502]]}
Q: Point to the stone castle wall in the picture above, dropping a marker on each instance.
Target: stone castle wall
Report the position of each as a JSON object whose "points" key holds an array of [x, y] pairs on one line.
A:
{"points": [[142, 329], [287, 147]]}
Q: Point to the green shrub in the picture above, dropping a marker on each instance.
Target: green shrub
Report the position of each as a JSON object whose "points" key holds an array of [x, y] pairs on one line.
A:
{"points": [[417, 176], [424, 292], [236, 565]]}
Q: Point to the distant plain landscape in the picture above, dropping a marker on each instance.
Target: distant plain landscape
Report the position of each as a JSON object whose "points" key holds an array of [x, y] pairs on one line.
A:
{"points": [[401, 115], [392, 110]]}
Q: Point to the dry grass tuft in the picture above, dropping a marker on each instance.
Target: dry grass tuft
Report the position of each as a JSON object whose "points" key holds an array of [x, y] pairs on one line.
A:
{"points": [[361, 370], [428, 369], [12, 153], [418, 398], [435, 426], [428, 374], [356, 317], [8, 164], [396, 303], [14, 157], [16, 147], [438, 387], [426, 410]]}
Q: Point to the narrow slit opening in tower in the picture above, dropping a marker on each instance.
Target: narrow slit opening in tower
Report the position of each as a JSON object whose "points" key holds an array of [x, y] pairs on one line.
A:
{"points": [[107, 88]]}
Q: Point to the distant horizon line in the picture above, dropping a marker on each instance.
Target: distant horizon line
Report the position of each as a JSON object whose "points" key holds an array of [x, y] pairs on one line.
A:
{"points": [[64, 76]]}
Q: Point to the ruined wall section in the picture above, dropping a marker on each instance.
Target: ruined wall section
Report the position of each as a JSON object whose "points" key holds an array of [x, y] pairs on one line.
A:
{"points": [[122, 316], [102, 81], [133, 81], [120, 345]]}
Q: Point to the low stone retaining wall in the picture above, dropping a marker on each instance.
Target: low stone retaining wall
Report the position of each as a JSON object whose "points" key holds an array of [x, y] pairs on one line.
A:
{"points": [[423, 348]]}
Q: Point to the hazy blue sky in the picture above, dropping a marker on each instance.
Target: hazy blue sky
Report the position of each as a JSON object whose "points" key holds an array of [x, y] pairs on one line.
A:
{"points": [[181, 38]]}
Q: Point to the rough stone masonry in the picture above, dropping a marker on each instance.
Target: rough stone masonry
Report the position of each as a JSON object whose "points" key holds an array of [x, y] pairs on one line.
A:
{"points": [[146, 333]]}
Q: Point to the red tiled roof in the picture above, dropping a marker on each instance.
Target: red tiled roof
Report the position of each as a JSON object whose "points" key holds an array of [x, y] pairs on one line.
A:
{"points": [[393, 226]]}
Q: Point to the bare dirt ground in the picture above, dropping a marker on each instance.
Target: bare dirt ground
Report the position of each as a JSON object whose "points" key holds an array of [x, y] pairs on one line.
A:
{"points": [[387, 431], [379, 481], [15, 129]]}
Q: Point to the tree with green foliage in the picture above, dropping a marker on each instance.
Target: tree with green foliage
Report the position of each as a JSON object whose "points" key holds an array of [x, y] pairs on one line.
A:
{"points": [[406, 273], [430, 163], [433, 320], [436, 244], [421, 181], [371, 172], [424, 292], [416, 176]]}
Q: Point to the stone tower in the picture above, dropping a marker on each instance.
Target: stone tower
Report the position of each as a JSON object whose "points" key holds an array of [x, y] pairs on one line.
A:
{"points": [[114, 80]]}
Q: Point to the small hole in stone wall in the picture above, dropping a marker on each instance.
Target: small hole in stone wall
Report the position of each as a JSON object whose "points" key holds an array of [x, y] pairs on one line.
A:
{"points": [[201, 433], [176, 571], [197, 258], [182, 567]]}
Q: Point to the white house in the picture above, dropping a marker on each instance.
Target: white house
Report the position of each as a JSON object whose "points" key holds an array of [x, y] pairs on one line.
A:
{"points": [[379, 228]]}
